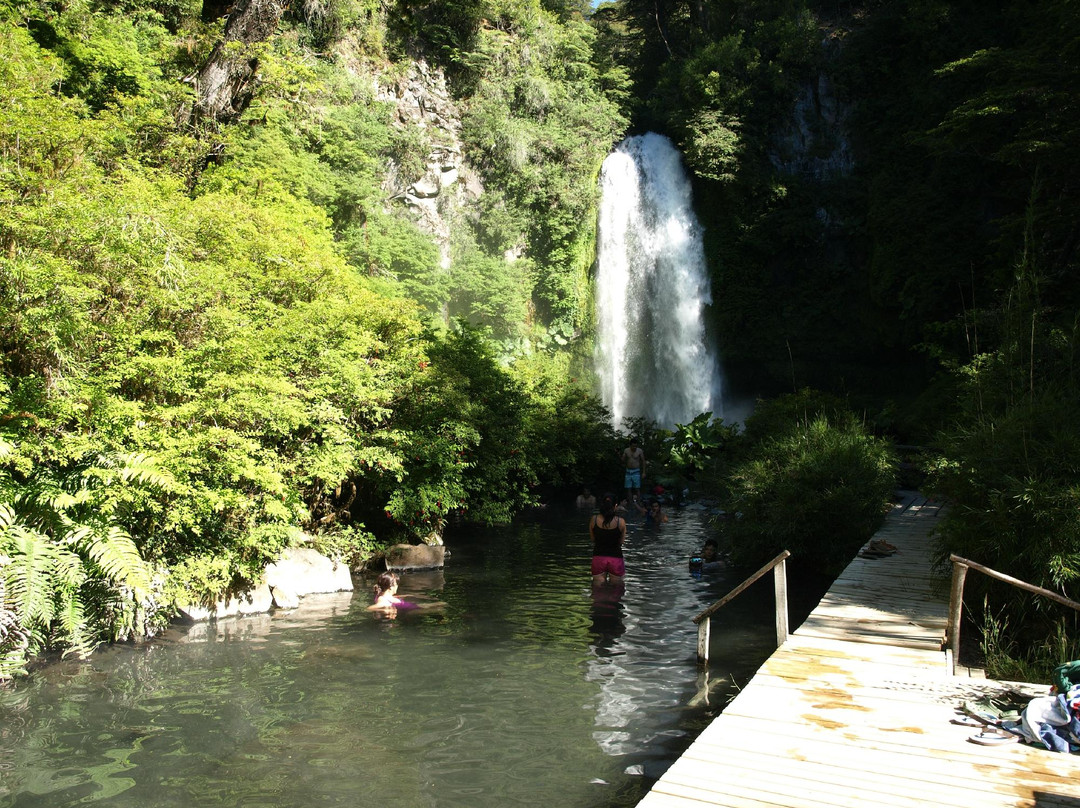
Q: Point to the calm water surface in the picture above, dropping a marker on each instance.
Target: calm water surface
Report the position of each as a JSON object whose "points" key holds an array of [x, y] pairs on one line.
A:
{"points": [[526, 688]]}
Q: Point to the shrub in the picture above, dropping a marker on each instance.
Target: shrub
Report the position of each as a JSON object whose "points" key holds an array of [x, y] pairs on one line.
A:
{"points": [[817, 484]]}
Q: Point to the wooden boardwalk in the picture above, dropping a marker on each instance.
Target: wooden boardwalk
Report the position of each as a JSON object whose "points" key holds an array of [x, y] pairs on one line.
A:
{"points": [[854, 710]]}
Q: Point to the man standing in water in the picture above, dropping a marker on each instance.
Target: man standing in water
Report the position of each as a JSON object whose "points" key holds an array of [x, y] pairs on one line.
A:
{"points": [[634, 460]]}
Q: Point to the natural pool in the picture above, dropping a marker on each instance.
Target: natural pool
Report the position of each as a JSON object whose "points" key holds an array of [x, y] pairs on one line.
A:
{"points": [[527, 688]]}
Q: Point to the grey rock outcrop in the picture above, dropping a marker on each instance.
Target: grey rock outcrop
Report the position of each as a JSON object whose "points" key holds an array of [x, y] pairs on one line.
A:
{"points": [[814, 141], [422, 103], [300, 571], [415, 557]]}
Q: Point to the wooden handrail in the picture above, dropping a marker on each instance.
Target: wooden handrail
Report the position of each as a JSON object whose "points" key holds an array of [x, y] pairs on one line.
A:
{"points": [[703, 620], [956, 597]]}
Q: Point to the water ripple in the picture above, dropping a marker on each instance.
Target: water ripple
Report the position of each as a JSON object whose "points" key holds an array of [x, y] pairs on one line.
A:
{"points": [[529, 686]]}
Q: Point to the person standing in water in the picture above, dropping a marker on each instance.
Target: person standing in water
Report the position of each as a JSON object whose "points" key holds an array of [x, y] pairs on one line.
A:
{"points": [[608, 533], [634, 461], [585, 499]]}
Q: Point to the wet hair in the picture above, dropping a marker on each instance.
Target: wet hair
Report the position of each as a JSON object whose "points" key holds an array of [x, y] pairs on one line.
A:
{"points": [[607, 507], [710, 543], [384, 582]]}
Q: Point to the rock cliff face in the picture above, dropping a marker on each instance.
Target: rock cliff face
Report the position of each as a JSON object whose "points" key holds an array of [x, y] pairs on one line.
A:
{"points": [[814, 142], [423, 103]]}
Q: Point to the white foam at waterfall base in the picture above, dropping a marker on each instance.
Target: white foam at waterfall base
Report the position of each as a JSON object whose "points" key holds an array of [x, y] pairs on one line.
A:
{"points": [[652, 288]]}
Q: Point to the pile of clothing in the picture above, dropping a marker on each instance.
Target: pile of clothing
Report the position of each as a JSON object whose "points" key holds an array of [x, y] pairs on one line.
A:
{"points": [[1053, 721]]}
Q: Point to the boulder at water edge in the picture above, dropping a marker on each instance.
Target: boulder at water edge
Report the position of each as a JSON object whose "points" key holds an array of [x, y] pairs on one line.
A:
{"points": [[302, 571], [298, 572], [254, 601], [415, 557]]}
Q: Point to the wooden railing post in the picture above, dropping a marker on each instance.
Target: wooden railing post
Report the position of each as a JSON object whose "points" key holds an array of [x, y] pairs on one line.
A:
{"points": [[780, 590], [780, 587], [956, 608], [703, 631], [956, 597]]}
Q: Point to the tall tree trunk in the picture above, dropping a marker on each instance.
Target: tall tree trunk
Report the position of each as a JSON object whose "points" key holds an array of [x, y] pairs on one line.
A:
{"points": [[225, 84]]}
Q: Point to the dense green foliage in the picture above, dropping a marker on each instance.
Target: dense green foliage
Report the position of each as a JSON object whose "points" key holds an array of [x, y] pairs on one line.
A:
{"points": [[810, 479], [889, 196], [213, 335], [1009, 464], [222, 335]]}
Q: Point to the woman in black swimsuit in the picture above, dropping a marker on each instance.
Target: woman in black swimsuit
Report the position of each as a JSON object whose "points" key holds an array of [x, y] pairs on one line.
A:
{"points": [[608, 532]]}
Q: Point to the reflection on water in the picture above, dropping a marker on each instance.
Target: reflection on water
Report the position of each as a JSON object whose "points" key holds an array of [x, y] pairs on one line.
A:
{"points": [[527, 686]]}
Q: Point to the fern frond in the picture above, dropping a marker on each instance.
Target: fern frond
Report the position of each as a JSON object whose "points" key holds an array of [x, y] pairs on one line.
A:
{"points": [[7, 517], [69, 622], [62, 501], [28, 576], [58, 533], [115, 554], [70, 626], [12, 663], [143, 469]]}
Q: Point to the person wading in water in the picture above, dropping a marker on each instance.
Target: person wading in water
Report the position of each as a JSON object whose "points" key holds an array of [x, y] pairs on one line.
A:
{"points": [[608, 532]]}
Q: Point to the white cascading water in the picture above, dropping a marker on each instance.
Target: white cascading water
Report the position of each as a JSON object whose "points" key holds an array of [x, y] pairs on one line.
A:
{"points": [[652, 287]]}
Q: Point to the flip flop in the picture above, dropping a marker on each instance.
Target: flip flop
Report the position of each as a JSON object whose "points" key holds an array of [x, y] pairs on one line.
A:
{"points": [[990, 737], [967, 721], [984, 717], [992, 710]]}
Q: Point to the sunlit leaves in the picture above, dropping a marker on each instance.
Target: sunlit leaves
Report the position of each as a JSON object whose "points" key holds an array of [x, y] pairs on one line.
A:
{"points": [[812, 481]]}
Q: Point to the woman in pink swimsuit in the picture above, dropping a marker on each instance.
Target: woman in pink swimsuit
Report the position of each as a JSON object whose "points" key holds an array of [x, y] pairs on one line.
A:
{"points": [[608, 532]]}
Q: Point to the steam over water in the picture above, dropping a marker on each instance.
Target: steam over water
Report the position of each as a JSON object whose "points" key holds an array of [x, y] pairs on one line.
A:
{"points": [[652, 289]]}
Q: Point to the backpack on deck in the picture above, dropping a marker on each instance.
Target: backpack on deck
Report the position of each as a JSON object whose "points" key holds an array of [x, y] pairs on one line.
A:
{"points": [[1066, 675]]}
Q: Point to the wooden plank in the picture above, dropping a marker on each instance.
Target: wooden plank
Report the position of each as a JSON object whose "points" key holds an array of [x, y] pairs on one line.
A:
{"points": [[883, 778], [944, 747], [855, 708]]}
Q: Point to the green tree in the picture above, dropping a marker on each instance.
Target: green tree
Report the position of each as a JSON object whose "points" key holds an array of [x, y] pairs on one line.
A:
{"points": [[812, 481]]}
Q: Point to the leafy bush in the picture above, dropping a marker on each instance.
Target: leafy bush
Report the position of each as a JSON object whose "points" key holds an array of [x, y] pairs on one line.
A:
{"points": [[465, 438], [569, 429], [696, 450], [70, 575], [816, 484], [352, 545]]}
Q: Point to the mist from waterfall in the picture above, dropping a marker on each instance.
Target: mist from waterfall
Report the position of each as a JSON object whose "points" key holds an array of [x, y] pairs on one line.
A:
{"points": [[652, 287]]}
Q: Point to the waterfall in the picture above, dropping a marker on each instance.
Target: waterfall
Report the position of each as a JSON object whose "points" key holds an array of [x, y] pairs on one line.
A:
{"points": [[652, 287]]}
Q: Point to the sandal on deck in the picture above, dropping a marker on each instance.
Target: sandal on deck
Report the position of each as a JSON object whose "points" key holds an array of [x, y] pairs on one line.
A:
{"points": [[881, 546], [993, 737], [877, 548], [967, 721]]}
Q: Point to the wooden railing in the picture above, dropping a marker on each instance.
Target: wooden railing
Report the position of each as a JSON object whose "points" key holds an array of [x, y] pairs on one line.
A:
{"points": [[956, 598], [779, 567]]}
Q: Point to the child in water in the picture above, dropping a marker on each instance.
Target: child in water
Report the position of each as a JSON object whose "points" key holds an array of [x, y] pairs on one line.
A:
{"points": [[653, 513], [386, 598], [709, 560]]}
